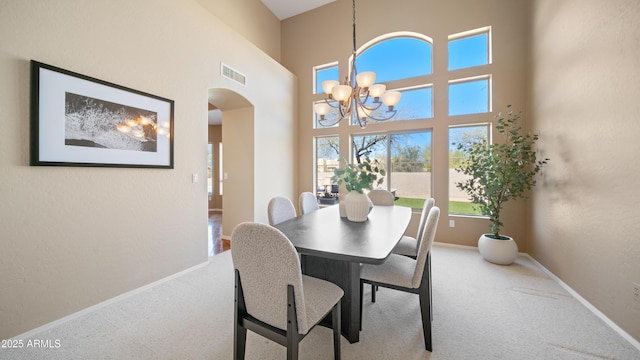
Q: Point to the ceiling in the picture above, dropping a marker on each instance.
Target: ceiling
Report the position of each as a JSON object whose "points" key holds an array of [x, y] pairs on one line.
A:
{"points": [[287, 8], [282, 9]]}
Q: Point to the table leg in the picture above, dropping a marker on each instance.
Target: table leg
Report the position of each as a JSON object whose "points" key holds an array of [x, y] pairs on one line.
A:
{"points": [[346, 275]]}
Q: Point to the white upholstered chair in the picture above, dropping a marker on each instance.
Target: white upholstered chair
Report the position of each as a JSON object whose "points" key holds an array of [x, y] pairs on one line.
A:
{"points": [[272, 297], [406, 274], [408, 245], [280, 209], [307, 202], [381, 197]]}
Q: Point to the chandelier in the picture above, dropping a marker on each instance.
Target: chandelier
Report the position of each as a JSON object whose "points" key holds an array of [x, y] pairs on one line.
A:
{"points": [[358, 97]]}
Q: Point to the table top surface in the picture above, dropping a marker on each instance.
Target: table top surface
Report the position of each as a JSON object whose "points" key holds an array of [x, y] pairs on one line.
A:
{"points": [[324, 233]]}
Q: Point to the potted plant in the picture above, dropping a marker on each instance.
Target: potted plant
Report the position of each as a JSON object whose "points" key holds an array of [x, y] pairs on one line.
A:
{"points": [[499, 172], [358, 177]]}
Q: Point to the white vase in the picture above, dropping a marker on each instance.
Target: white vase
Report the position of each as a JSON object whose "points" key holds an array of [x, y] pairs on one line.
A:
{"points": [[343, 212], [357, 206], [497, 251]]}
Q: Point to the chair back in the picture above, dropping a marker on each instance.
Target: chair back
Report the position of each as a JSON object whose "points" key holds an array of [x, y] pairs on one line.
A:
{"points": [[424, 247], [280, 209], [381, 197], [307, 203], [267, 263], [423, 217]]}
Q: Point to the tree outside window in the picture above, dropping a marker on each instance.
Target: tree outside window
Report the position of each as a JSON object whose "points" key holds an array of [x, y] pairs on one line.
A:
{"points": [[408, 155], [459, 202]]}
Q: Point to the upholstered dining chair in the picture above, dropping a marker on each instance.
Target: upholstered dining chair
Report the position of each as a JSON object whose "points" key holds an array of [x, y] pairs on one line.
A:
{"points": [[307, 202], [408, 245], [280, 209], [272, 297], [381, 197], [406, 274]]}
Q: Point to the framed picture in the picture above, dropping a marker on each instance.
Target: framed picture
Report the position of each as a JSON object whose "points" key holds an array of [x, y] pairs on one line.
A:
{"points": [[77, 120]]}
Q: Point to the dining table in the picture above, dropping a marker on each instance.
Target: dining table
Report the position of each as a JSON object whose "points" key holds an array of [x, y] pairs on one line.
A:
{"points": [[332, 248]]}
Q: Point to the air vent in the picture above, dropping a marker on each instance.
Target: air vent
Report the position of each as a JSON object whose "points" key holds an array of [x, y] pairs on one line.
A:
{"points": [[232, 74]]}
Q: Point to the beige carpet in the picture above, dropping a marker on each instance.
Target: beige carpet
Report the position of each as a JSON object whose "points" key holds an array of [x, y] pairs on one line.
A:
{"points": [[481, 311]]}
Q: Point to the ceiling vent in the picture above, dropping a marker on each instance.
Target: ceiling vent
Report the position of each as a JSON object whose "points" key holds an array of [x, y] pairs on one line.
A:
{"points": [[232, 74]]}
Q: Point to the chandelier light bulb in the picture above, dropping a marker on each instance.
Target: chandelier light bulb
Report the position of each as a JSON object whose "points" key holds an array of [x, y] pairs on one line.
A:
{"points": [[328, 85], [391, 98], [377, 90], [341, 92], [365, 79], [321, 108]]}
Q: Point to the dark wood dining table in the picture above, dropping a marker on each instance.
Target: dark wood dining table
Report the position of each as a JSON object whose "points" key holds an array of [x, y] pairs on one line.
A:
{"points": [[332, 248]]}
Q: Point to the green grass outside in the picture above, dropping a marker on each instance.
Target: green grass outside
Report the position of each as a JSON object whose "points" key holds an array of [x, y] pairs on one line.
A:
{"points": [[463, 208], [409, 202], [455, 207]]}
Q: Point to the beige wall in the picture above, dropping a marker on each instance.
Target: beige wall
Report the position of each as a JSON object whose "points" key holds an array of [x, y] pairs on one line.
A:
{"points": [[303, 47], [72, 237], [584, 95], [252, 20]]}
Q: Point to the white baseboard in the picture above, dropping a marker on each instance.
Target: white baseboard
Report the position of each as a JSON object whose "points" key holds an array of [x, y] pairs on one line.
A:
{"points": [[573, 293], [587, 304], [95, 307]]}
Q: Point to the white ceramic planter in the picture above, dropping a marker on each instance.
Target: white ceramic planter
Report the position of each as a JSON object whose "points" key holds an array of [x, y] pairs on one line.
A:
{"points": [[501, 252], [357, 206], [343, 212]]}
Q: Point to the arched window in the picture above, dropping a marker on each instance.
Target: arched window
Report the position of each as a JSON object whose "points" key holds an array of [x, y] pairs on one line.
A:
{"points": [[397, 58], [400, 56]]}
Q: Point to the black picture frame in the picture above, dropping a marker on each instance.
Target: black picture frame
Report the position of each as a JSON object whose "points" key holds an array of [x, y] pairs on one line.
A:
{"points": [[77, 120]]}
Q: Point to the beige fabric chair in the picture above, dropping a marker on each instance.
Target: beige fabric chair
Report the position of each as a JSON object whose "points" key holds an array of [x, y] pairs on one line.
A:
{"points": [[408, 245], [307, 202], [406, 274], [381, 197], [280, 209], [273, 298]]}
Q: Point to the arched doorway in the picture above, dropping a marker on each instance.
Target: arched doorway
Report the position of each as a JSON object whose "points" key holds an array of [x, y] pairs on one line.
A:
{"points": [[230, 147]]}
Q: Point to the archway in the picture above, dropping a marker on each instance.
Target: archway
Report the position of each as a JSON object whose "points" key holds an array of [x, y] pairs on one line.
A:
{"points": [[232, 116]]}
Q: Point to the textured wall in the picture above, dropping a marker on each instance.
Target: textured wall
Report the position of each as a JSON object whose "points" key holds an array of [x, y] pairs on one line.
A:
{"points": [[71, 237], [585, 86], [251, 19]]}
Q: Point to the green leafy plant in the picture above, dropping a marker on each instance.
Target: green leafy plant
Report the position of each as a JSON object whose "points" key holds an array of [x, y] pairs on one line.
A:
{"points": [[359, 176], [500, 172]]}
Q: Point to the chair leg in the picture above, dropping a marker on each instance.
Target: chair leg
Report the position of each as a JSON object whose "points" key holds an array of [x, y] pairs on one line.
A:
{"points": [[336, 319], [361, 301], [425, 311], [292, 350], [239, 332], [293, 339], [373, 293], [430, 287], [239, 342]]}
